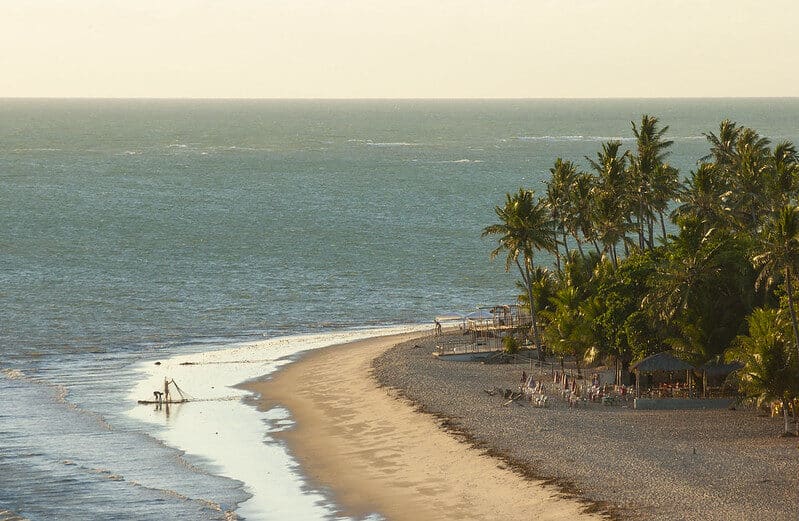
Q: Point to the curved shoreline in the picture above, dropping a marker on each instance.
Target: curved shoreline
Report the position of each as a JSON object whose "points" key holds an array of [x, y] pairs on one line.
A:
{"points": [[377, 454]]}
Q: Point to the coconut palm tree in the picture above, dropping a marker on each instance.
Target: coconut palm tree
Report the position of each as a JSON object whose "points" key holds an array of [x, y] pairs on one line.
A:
{"points": [[559, 186], [770, 371], [703, 198], [783, 174], [749, 179], [651, 152], [722, 147], [778, 247], [525, 226], [610, 201], [665, 185]]}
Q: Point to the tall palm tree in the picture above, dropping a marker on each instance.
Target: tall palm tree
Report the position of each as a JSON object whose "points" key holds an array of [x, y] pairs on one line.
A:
{"points": [[665, 185], [525, 226], [580, 224], [563, 176], [778, 256], [749, 179], [651, 152], [611, 204]]}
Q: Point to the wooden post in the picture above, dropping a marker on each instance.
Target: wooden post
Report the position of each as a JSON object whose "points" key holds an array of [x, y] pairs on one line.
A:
{"points": [[637, 383]]}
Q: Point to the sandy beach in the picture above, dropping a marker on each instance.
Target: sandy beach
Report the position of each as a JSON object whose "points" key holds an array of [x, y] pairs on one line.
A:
{"points": [[376, 454], [642, 465]]}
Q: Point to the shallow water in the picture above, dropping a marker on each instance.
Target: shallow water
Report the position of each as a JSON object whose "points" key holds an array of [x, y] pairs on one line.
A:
{"points": [[134, 231]]}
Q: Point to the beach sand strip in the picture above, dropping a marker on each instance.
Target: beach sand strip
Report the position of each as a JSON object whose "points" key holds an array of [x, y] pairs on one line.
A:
{"points": [[376, 453]]}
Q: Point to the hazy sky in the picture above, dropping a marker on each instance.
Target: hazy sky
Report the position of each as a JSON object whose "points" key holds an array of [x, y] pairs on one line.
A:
{"points": [[399, 49]]}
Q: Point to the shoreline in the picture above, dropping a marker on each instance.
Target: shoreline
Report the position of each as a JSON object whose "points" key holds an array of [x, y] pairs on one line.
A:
{"points": [[221, 432], [375, 453]]}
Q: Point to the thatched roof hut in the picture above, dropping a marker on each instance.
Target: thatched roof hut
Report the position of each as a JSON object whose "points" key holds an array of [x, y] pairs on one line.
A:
{"points": [[664, 361], [660, 362]]}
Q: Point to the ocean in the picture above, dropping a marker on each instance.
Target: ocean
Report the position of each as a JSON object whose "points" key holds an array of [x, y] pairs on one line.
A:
{"points": [[135, 231]]}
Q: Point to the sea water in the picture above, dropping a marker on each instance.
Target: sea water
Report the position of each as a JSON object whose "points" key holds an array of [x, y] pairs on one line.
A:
{"points": [[136, 231]]}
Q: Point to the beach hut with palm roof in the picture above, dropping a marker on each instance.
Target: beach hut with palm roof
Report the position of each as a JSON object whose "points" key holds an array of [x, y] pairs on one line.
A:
{"points": [[664, 363]]}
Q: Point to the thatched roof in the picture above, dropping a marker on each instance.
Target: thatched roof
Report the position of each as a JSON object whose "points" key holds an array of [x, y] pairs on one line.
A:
{"points": [[664, 361], [714, 369]]}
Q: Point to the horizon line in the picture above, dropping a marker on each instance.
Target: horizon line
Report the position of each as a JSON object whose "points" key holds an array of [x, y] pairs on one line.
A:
{"points": [[376, 98]]}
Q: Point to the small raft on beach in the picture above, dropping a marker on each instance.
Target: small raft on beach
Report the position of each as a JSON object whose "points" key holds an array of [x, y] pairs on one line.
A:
{"points": [[162, 402], [164, 398]]}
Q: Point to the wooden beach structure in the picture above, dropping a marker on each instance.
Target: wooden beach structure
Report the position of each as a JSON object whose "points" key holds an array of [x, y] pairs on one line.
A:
{"points": [[661, 368], [496, 321], [165, 397], [670, 384], [484, 329]]}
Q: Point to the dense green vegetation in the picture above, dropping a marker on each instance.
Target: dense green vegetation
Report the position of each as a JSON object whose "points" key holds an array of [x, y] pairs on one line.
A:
{"points": [[622, 288]]}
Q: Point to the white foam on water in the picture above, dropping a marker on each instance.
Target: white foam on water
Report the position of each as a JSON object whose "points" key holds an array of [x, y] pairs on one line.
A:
{"points": [[231, 437]]}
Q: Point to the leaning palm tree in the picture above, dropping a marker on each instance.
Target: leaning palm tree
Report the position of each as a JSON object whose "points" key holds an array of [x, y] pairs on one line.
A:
{"points": [[525, 226], [778, 256]]}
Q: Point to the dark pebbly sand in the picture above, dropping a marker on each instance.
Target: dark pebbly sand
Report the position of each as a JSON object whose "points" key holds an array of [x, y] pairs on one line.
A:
{"points": [[654, 465]]}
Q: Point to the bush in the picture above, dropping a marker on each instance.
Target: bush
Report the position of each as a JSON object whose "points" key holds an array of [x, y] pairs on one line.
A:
{"points": [[510, 344]]}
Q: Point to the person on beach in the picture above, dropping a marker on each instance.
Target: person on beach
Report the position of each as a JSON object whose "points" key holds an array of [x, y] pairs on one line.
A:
{"points": [[438, 327]]}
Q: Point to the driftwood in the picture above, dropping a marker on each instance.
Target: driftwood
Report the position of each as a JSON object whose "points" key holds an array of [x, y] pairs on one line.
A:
{"points": [[513, 397]]}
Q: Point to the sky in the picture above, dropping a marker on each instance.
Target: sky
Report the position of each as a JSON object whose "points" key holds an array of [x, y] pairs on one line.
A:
{"points": [[399, 49]]}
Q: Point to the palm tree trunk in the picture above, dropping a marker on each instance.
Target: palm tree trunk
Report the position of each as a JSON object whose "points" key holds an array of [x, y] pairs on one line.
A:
{"points": [[791, 307], [641, 226], [580, 248], [557, 256], [596, 247], [787, 431], [527, 278], [663, 225], [565, 244]]}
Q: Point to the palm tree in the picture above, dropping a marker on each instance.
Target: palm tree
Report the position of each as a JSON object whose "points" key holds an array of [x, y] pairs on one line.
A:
{"points": [[702, 198], [525, 226], [580, 224], [610, 206], [665, 184], [650, 155], [567, 331], [783, 174], [559, 186], [722, 147], [749, 179], [779, 256], [770, 371]]}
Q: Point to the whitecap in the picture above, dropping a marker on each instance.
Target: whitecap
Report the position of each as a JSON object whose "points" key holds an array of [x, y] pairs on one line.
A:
{"points": [[13, 374], [391, 144], [573, 138]]}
